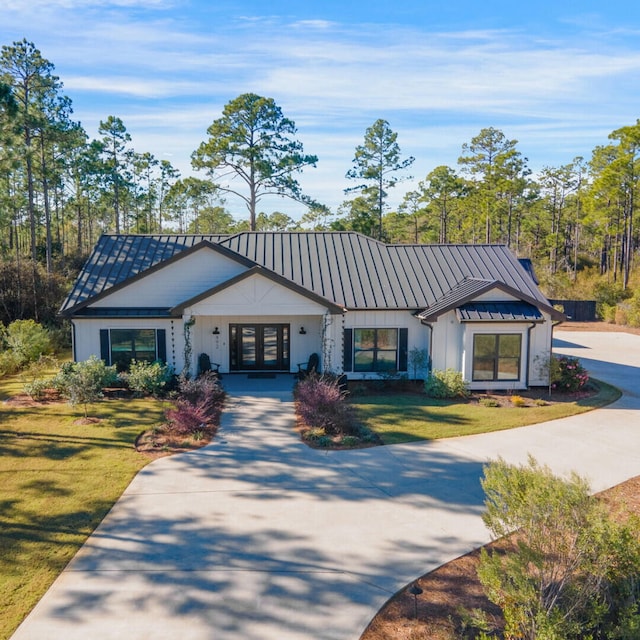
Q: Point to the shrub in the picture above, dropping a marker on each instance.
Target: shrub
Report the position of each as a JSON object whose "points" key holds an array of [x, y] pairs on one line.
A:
{"points": [[567, 374], [321, 403], [418, 361], [83, 382], [35, 388], [35, 379], [148, 377], [349, 441], [572, 570], [489, 402], [446, 384], [198, 404], [27, 340], [518, 401], [9, 363]]}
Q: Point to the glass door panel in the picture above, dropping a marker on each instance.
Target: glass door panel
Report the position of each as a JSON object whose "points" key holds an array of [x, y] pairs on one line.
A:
{"points": [[259, 347], [248, 346], [270, 347]]}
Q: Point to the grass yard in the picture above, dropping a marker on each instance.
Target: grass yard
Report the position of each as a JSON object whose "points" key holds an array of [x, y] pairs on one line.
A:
{"points": [[58, 481], [398, 418]]}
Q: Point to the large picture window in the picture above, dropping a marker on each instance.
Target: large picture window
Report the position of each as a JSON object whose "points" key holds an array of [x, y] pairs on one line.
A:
{"points": [[496, 356], [132, 344], [375, 349]]}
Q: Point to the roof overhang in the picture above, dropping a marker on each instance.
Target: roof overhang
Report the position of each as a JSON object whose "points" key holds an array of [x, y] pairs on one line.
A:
{"points": [[455, 299]]}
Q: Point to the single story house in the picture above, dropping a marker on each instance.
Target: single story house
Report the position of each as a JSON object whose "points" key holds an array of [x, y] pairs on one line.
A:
{"points": [[265, 301]]}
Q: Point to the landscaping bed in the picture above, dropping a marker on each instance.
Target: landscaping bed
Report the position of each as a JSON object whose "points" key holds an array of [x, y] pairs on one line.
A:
{"points": [[455, 587]]}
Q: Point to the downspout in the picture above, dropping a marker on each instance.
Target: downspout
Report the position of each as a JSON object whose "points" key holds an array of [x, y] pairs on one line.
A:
{"points": [[526, 375], [73, 341]]}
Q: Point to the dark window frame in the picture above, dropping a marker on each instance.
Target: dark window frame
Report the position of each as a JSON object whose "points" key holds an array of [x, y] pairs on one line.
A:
{"points": [[137, 354], [495, 358], [375, 351]]}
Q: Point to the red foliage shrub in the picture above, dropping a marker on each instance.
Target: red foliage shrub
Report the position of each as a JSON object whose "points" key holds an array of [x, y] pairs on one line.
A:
{"points": [[199, 404], [321, 403]]}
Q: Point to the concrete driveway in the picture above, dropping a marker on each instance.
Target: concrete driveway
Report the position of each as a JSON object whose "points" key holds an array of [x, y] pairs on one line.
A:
{"points": [[257, 537]]}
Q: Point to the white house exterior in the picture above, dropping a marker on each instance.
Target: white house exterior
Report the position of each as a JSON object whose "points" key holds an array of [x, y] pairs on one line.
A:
{"points": [[258, 302]]}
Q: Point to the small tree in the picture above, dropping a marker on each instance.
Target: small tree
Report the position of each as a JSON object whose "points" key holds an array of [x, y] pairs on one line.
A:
{"points": [[572, 572], [418, 361], [83, 382]]}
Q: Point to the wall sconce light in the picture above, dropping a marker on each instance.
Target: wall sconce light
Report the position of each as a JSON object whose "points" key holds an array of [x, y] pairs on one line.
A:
{"points": [[302, 331], [216, 332]]}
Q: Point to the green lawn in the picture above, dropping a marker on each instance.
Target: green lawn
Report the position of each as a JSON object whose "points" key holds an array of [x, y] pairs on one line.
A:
{"points": [[58, 481], [407, 417]]}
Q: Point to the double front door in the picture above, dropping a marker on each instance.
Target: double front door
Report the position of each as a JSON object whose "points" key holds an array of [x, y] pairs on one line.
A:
{"points": [[259, 347]]}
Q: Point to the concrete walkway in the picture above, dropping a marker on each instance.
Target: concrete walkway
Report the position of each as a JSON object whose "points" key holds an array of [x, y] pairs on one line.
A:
{"points": [[257, 537]]}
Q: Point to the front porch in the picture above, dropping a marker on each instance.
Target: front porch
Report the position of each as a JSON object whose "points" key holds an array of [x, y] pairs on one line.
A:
{"points": [[262, 345]]}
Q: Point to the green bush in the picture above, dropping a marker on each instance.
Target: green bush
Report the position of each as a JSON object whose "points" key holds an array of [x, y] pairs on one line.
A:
{"points": [[83, 382], [148, 377], [9, 363], [572, 572], [27, 340], [446, 384], [35, 378]]}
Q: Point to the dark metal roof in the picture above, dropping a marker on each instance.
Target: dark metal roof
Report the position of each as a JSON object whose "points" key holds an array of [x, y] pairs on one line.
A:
{"points": [[498, 312], [348, 269], [528, 267]]}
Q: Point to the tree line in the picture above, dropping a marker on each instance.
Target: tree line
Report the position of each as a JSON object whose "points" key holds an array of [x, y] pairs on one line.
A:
{"points": [[59, 189]]}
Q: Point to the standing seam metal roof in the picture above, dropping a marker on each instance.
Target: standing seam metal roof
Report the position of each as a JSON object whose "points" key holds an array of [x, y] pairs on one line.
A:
{"points": [[344, 267]]}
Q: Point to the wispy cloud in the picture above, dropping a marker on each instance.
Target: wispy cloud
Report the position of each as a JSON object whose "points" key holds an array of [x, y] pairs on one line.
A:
{"points": [[168, 75]]}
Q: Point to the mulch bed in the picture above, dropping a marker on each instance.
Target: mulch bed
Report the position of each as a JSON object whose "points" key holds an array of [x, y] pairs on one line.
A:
{"points": [[161, 441], [455, 586]]}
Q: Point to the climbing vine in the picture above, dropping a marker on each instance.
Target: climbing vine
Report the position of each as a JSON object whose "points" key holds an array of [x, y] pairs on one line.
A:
{"points": [[188, 348]]}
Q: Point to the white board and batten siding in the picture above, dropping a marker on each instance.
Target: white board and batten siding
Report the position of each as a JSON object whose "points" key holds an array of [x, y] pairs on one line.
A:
{"points": [[86, 335], [175, 282], [453, 348], [216, 346], [417, 333], [256, 300]]}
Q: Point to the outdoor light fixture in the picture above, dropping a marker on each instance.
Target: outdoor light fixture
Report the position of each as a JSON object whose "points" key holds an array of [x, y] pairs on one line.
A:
{"points": [[216, 332], [302, 331], [415, 591]]}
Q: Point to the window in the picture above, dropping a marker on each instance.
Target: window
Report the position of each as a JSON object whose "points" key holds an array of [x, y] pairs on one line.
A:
{"points": [[496, 356], [132, 344], [375, 349]]}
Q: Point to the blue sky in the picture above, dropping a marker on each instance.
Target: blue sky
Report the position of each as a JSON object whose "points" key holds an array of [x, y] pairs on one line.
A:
{"points": [[556, 76]]}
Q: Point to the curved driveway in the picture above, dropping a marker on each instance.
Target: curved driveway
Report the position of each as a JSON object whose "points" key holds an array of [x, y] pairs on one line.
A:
{"points": [[257, 537]]}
